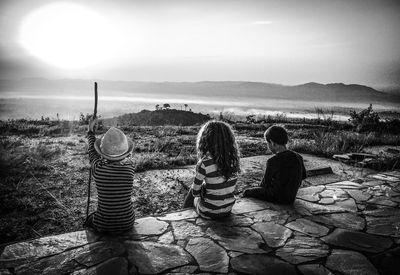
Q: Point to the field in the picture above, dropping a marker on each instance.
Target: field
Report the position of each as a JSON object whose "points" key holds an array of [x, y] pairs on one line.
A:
{"points": [[44, 165]]}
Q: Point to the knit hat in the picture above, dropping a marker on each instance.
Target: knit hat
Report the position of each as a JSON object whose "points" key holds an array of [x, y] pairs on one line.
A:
{"points": [[114, 145]]}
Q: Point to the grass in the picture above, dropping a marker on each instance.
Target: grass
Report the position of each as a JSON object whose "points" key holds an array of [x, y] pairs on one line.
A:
{"points": [[44, 166]]}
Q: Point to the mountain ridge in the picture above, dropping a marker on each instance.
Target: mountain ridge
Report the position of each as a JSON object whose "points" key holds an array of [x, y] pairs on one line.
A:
{"points": [[311, 91]]}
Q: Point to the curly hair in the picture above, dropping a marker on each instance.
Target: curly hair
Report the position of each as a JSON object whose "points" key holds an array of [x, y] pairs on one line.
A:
{"points": [[216, 138]]}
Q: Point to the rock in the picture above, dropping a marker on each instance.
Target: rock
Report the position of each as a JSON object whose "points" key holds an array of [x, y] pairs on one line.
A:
{"points": [[302, 249], [47, 246], [245, 205], [343, 220], [167, 238], [347, 205], [382, 201], [268, 215], [275, 235], [184, 229], [326, 201], [357, 241], [234, 254], [334, 193], [384, 177], [358, 195], [117, 266], [346, 185], [202, 248], [181, 215], [231, 220], [238, 239], [309, 208], [261, 265], [323, 179], [308, 227], [386, 226], [382, 212], [153, 258], [372, 183], [350, 263], [149, 226], [187, 269], [388, 262], [71, 260], [310, 193], [314, 269]]}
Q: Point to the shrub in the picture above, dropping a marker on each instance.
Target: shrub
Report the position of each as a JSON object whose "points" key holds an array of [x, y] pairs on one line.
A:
{"points": [[365, 120]]}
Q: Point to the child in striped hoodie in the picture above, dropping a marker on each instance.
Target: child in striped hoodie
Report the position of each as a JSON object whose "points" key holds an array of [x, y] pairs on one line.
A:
{"points": [[113, 175], [212, 192]]}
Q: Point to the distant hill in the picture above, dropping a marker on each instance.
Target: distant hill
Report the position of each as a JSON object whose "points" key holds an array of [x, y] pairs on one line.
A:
{"points": [[160, 117], [336, 92]]}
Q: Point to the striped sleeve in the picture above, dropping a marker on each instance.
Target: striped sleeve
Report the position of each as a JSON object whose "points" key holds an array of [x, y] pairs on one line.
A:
{"points": [[93, 155], [198, 180]]}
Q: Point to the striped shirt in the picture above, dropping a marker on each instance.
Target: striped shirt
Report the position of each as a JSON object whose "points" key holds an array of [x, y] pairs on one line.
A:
{"points": [[216, 193], [114, 183]]}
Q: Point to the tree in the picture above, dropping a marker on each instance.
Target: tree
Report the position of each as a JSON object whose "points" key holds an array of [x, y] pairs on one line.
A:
{"points": [[166, 106], [186, 106], [157, 107]]}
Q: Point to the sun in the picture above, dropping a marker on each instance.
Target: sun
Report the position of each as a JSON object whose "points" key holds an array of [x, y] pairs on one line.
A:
{"points": [[68, 36]]}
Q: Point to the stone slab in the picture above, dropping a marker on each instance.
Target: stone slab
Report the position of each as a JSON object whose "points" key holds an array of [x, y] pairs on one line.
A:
{"points": [[275, 235], [209, 255], [115, 266], [167, 238], [310, 193], [302, 249], [181, 215], [183, 230], [385, 201], [384, 177], [341, 220], [335, 193], [346, 185], [314, 269], [261, 265], [357, 241], [245, 205], [149, 226], [153, 258], [327, 201], [231, 220], [358, 195], [309, 208], [238, 239], [350, 263], [72, 260], [268, 215], [385, 226], [323, 179], [47, 246], [308, 227]]}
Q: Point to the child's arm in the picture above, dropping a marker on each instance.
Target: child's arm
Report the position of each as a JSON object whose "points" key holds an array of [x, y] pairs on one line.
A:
{"points": [[93, 155], [198, 180]]}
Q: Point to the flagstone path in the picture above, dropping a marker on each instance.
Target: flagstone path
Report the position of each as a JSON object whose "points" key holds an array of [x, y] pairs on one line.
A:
{"points": [[342, 227]]}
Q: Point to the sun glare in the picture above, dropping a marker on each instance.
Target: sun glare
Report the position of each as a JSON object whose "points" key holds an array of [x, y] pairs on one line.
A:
{"points": [[68, 36]]}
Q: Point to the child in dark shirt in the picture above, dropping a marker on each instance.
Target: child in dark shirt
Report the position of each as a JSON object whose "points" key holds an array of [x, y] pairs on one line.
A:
{"points": [[284, 171]]}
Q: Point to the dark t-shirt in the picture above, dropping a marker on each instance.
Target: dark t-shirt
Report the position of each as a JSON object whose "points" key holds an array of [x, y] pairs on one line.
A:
{"points": [[283, 176]]}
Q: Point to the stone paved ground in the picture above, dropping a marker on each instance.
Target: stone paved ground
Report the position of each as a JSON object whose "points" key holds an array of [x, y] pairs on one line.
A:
{"points": [[339, 227]]}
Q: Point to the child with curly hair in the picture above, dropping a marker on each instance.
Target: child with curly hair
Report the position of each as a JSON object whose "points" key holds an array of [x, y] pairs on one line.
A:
{"points": [[212, 191]]}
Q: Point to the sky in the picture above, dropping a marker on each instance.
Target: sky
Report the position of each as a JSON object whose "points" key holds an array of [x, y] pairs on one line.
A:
{"points": [[287, 42]]}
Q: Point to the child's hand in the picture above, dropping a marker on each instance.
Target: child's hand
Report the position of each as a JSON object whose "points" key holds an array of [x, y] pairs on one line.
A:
{"points": [[92, 124]]}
